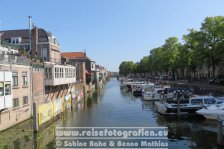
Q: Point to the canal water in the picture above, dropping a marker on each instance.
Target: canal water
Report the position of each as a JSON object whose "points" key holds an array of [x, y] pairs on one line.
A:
{"points": [[112, 106]]}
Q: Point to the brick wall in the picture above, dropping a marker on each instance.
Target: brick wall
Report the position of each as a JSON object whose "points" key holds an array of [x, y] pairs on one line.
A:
{"points": [[15, 115]]}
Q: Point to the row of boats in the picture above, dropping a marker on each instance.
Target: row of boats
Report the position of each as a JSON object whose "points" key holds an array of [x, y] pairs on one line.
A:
{"points": [[176, 101]]}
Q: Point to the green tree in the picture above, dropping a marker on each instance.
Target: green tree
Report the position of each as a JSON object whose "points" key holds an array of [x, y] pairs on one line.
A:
{"points": [[193, 45], [169, 54], [126, 67], [213, 40], [203, 47], [183, 59], [156, 60], [144, 65]]}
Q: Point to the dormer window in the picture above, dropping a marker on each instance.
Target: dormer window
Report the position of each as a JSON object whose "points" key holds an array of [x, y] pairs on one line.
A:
{"points": [[16, 40]]}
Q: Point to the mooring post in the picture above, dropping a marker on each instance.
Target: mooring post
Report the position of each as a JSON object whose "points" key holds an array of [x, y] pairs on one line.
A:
{"points": [[35, 141], [220, 122], [178, 106], [35, 118]]}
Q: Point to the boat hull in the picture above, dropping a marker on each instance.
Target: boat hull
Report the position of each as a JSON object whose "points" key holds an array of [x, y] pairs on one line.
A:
{"points": [[162, 108], [211, 114]]}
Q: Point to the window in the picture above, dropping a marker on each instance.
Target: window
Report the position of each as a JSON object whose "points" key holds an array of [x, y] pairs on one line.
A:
{"points": [[25, 81], [46, 73], [1, 89], [197, 101], [74, 72], [69, 72], [61, 72], [7, 88], [57, 73], [50, 73], [43, 53], [66, 72], [77, 73], [210, 101], [15, 78], [16, 40], [77, 70], [25, 100], [15, 102]]}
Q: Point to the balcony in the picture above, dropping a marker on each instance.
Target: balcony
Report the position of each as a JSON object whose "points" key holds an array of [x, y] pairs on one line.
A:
{"points": [[59, 74], [5, 90], [9, 45], [14, 59], [47, 59]]}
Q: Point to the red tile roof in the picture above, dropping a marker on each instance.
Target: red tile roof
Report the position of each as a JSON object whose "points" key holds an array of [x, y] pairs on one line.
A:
{"points": [[73, 55]]}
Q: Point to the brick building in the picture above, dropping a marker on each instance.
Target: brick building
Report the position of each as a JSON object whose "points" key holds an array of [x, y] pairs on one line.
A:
{"points": [[15, 89], [44, 45]]}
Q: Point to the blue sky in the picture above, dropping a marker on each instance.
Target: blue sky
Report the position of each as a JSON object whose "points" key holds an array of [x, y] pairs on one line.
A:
{"points": [[110, 30]]}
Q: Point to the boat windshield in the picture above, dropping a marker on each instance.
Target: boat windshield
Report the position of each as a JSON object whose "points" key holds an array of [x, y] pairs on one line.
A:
{"points": [[197, 101], [160, 91], [210, 101]]}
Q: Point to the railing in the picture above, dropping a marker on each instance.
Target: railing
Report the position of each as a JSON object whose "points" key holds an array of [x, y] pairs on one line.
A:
{"points": [[47, 59], [14, 59], [9, 45]]}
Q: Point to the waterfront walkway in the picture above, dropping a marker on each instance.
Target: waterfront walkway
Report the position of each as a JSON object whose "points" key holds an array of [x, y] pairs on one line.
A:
{"points": [[201, 84]]}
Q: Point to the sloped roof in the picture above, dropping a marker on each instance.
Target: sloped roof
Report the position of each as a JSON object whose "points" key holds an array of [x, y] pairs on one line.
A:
{"points": [[23, 33], [73, 55]]}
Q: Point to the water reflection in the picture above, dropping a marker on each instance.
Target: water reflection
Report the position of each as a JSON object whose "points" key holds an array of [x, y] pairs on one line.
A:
{"points": [[18, 137], [113, 106], [45, 138], [187, 132]]}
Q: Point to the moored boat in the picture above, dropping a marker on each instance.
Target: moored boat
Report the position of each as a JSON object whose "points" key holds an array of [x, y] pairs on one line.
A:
{"points": [[213, 112], [185, 106], [156, 94]]}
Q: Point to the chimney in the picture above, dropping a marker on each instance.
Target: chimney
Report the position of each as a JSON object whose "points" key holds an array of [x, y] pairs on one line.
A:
{"points": [[34, 42], [84, 53], [30, 41]]}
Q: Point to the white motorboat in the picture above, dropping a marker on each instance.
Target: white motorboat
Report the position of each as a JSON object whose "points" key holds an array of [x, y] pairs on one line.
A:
{"points": [[156, 94], [189, 106], [213, 112], [136, 90]]}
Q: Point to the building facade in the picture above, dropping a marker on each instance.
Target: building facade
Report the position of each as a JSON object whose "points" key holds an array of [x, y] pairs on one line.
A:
{"points": [[84, 68], [44, 45], [15, 89]]}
